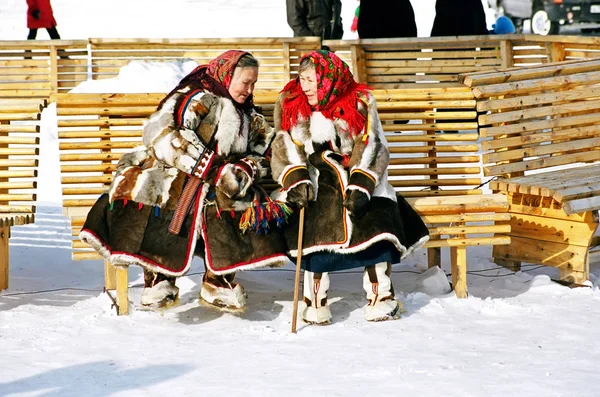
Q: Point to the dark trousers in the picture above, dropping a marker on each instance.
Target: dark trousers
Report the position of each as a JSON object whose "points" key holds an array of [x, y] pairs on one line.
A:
{"points": [[51, 31]]}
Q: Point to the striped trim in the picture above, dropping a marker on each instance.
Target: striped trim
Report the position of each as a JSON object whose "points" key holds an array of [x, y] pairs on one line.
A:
{"points": [[184, 105], [367, 174], [184, 204], [302, 174]]}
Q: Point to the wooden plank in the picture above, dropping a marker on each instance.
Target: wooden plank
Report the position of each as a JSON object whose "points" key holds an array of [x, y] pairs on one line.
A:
{"points": [[534, 251], [436, 160], [450, 191], [528, 165], [460, 204], [434, 171], [541, 150], [443, 230], [527, 86], [541, 137], [582, 205], [537, 112], [520, 74], [540, 125], [484, 217], [468, 242]]}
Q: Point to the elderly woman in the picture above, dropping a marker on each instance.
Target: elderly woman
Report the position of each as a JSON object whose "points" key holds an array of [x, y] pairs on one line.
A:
{"points": [[330, 156], [193, 189]]}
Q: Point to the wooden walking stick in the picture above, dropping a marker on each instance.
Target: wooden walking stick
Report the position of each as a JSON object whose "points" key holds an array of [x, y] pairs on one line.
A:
{"points": [[297, 278]]}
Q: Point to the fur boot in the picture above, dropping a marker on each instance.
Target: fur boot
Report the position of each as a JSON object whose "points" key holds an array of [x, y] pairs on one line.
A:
{"points": [[380, 293], [315, 309], [222, 292], [159, 290]]}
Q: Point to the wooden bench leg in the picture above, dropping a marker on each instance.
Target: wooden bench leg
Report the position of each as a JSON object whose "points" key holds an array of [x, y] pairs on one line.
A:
{"points": [[110, 276], [458, 260], [434, 257], [122, 289], [117, 278], [4, 236]]}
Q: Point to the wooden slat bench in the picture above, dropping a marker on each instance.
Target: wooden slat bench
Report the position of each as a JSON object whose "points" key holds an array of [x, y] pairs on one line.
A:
{"points": [[438, 172], [19, 149], [435, 163], [542, 140]]}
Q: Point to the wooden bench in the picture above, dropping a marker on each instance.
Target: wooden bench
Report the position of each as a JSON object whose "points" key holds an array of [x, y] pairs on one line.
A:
{"points": [[439, 171], [541, 136], [19, 149]]}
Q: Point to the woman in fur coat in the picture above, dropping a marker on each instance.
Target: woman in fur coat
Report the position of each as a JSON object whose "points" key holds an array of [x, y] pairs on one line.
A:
{"points": [[330, 156], [193, 189]]}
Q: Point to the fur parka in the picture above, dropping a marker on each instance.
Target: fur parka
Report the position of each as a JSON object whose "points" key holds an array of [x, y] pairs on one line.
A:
{"points": [[321, 153], [211, 144]]}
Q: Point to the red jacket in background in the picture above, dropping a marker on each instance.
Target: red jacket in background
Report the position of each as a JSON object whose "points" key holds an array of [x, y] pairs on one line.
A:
{"points": [[46, 17]]}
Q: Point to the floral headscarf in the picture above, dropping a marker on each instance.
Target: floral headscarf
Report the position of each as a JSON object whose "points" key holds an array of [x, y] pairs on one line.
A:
{"points": [[221, 68], [336, 93], [215, 77]]}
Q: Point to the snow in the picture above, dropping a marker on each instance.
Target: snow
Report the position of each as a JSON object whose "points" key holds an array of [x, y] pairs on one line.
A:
{"points": [[518, 334]]}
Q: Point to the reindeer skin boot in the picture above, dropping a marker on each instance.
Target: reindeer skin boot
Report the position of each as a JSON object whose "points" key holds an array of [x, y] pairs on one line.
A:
{"points": [[377, 283], [315, 309], [159, 290], [222, 291]]}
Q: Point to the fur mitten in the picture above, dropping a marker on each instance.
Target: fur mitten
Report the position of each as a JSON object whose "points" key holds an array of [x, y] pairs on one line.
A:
{"points": [[356, 202]]}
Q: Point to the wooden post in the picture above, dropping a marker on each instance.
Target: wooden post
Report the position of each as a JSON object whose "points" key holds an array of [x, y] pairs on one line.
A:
{"points": [[110, 276], [458, 259], [122, 273], [359, 66], [506, 54], [434, 255], [53, 70], [287, 71], [4, 236], [556, 52]]}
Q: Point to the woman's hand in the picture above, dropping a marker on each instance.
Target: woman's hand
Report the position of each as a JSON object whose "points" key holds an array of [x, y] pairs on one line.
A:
{"points": [[356, 202]]}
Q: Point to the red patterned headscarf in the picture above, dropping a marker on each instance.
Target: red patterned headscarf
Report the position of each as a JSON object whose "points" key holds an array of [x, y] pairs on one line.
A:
{"points": [[337, 94], [215, 77]]}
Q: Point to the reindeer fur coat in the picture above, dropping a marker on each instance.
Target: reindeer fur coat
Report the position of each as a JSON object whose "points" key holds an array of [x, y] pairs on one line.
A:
{"points": [[218, 147], [319, 152]]}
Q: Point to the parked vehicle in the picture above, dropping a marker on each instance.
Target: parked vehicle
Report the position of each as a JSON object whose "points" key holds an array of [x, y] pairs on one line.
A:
{"points": [[547, 16]]}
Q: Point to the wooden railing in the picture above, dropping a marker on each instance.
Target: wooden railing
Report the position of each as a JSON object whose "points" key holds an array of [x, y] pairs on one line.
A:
{"points": [[44, 68]]}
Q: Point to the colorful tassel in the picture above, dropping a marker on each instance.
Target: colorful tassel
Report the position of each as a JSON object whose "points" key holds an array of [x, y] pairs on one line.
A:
{"points": [[112, 205], [259, 216], [125, 202], [156, 211], [140, 206]]}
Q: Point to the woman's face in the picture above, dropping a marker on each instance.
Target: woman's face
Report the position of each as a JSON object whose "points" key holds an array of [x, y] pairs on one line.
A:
{"points": [[242, 83], [308, 82]]}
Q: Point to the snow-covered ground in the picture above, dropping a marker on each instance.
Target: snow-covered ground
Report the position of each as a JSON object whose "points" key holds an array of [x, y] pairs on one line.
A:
{"points": [[516, 335]]}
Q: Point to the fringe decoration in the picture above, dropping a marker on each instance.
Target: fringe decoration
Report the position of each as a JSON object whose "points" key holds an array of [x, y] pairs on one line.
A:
{"points": [[259, 216]]}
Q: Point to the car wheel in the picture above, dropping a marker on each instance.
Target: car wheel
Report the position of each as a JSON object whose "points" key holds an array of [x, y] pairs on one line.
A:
{"points": [[541, 23]]}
